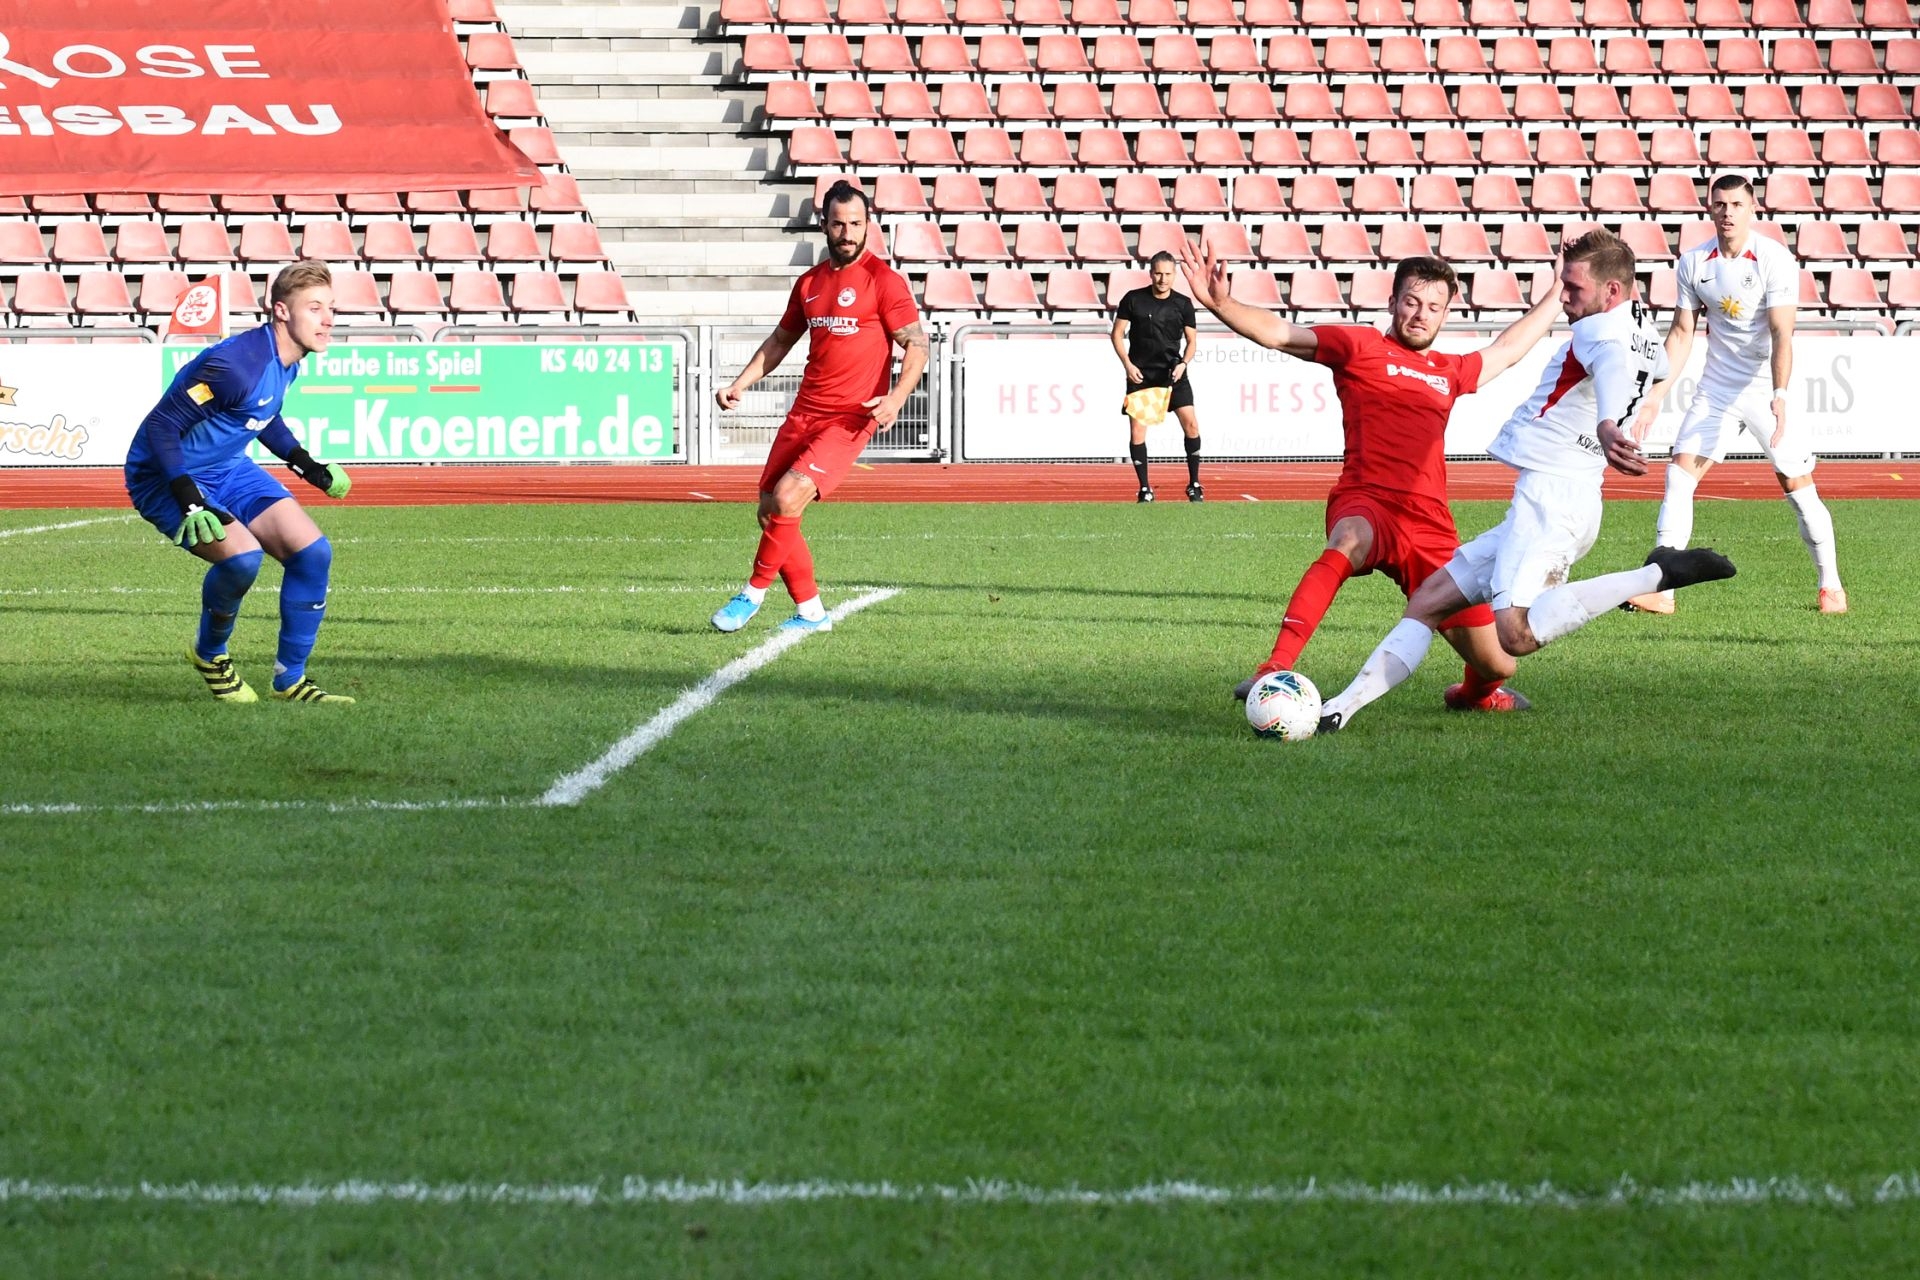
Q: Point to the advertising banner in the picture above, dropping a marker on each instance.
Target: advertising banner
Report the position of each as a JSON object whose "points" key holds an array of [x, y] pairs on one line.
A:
{"points": [[472, 402], [73, 406], [235, 96], [1056, 397]]}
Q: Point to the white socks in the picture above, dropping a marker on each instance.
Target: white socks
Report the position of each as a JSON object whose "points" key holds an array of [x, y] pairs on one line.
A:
{"points": [[756, 594], [1396, 659], [1816, 530], [1675, 526], [810, 609], [1572, 606]]}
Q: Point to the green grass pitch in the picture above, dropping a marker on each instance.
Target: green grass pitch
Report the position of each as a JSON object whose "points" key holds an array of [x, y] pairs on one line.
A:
{"points": [[992, 882]]}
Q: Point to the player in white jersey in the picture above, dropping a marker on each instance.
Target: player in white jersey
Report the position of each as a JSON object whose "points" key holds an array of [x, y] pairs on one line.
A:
{"points": [[1561, 441], [1747, 286]]}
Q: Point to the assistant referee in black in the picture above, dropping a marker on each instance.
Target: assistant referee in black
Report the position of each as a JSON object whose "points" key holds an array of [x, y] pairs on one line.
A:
{"points": [[1154, 335]]}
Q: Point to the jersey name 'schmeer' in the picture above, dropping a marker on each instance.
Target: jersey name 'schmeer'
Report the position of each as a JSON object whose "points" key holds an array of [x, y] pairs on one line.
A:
{"points": [[1600, 373], [848, 316], [1736, 293], [1394, 404], [230, 391]]}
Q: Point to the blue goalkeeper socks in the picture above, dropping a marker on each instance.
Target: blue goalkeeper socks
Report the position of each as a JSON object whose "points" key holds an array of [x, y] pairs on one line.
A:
{"points": [[221, 592], [303, 603]]}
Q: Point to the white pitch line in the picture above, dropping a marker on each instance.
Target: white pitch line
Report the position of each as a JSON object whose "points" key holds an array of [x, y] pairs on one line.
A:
{"points": [[268, 806], [70, 524], [1249, 497], [574, 787], [696, 493], [1790, 1190]]}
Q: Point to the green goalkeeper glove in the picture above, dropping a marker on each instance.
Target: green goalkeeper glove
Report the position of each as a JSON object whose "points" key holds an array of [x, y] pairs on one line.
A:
{"points": [[331, 481], [202, 522]]}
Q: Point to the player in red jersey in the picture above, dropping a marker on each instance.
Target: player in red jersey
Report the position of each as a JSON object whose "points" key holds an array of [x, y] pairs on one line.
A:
{"points": [[854, 308], [1387, 512]]}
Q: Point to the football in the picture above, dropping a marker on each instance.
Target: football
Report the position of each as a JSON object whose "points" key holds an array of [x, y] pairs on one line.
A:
{"points": [[1283, 704]]}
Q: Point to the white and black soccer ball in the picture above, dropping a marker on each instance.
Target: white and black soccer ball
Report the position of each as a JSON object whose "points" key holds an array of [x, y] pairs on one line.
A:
{"points": [[1283, 704]]}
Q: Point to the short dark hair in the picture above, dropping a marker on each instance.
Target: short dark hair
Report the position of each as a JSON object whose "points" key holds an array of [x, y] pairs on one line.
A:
{"points": [[1158, 258], [841, 192], [1730, 182], [1606, 255], [1426, 271]]}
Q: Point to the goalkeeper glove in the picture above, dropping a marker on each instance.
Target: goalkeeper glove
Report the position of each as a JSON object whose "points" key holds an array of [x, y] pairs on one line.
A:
{"points": [[331, 481], [202, 522]]}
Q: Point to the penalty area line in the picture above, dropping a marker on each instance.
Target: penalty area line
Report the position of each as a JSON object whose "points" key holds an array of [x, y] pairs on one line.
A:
{"points": [[70, 524], [574, 787]]}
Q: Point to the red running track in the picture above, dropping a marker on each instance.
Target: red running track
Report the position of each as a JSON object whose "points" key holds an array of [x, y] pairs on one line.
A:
{"points": [[934, 482]]}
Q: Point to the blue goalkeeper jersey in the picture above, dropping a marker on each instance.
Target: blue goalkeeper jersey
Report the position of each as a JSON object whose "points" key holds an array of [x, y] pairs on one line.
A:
{"points": [[225, 398]]}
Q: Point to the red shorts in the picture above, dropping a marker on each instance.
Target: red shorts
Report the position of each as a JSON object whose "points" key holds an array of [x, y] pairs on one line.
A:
{"points": [[820, 446], [1411, 540]]}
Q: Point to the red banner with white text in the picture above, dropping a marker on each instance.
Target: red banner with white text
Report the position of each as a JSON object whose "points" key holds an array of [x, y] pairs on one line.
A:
{"points": [[241, 96]]}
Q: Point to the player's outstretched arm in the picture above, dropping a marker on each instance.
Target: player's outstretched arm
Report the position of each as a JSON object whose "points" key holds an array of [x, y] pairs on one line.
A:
{"points": [[1519, 337], [1679, 346], [913, 338], [763, 362], [1207, 278]]}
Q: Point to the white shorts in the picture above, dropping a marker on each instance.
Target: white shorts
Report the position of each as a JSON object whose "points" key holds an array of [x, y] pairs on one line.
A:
{"points": [[1716, 416], [1552, 523]]}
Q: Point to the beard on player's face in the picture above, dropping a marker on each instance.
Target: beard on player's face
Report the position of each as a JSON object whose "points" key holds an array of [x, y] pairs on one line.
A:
{"points": [[845, 243]]}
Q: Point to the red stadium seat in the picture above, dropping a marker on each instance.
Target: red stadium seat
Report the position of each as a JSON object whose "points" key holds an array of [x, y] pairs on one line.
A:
{"points": [[1841, 193], [1720, 14], [1227, 242], [491, 51], [1192, 101], [1073, 290], [1854, 289], [929, 146], [1366, 100], [790, 100], [1100, 241], [944, 53], [1673, 193], [1900, 192], [1897, 148], [808, 145], [537, 143], [536, 293], [1525, 242], [1315, 290], [1324, 13], [919, 242], [1043, 147], [906, 100], [1346, 242], [389, 241], [1730, 148], [1219, 149], [1284, 242], [1464, 242], [849, 100], [1013, 193], [1611, 192], [1317, 193], [159, 291], [1258, 193], [1781, 15], [103, 294], [1424, 102], [952, 193], [1199, 193], [1674, 148], [1591, 102], [601, 293], [1158, 237], [886, 53], [1122, 282], [1504, 148], [827, 54], [1572, 56], [1618, 149], [1138, 193], [477, 293], [1556, 193], [1101, 148], [1480, 102], [1629, 56], [1381, 13], [137, 242], [265, 242], [1493, 13], [1565, 148], [571, 242], [1177, 54], [978, 240], [1010, 289], [1438, 13], [1251, 100], [1333, 148], [1647, 239], [80, 242], [1235, 55], [1832, 15], [1404, 55], [1136, 100], [1117, 55], [1818, 102], [1614, 14], [1705, 102], [1080, 193], [1516, 55], [1399, 240], [1811, 298], [1496, 193], [1370, 289], [965, 101], [1254, 287], [1453, 148], [1377, 193], [509, 241], [1079, 100], [1495, 289], [201, 242], [1058, 56], [1557, 14], [979, 13], [1882, 102], [1277, 149], [1212, 13], [329, 240], [1663, 289], [356, 294], [1389, 148], [560, 193], [22, 244], [1307, 100], [1039, 13], [1883, 242], [1819, 241], [1460, 55], [1786, 147], [1788, 193], [747, 12], [472, 11], [949, 289], [1903, 289], [1153, 13], [1040, 241], [1348, 55]]}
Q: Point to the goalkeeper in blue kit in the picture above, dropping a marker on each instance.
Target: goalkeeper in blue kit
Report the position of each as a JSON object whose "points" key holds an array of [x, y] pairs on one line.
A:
{"points": [[189, 475]]}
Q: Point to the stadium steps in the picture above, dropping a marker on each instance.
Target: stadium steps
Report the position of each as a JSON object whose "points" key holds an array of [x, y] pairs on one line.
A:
{"points": [[669, 154]]}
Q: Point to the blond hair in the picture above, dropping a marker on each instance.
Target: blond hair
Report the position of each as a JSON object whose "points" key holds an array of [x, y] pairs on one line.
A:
{"points": [[305, 274]]}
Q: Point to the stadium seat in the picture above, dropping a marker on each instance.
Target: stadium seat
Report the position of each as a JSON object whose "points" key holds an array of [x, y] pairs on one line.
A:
{"points": [[919, 242], [944, 53], [1370, 289], [1572, 56], [1556, 193], [952, 193], [1500, 147], [1137, 100], [1437, 193], [1462, 242], [906, 100], [1010, 289], [887, 53], [1343, 242], [849, 100], [1100, 241], [1734, 56], [1390, 148], [979, 240], [1404, 56], [329, 240], [1903, 289], [1284, 242], [1819, 241], [1705, 102], [1897, 148], [1366, 100], [1900, 192], [1251, 101], [1177, 54], [1647, 239], [1044, 147], [1790, 147], [1122, 282], [1663, 289], [979, 13], [1619, 149], [1219, 149], [456, 242], [1496, 193], [1525, 242], [1854, 289], [1612, 14], [1591, 102], [1882, 102], [114, 206], [1138, 193], [146, 242], [1199, 194], [1012, 193], [1315, 290], [560, 193], [1673, 193], [1257, 193], [104, 295], [1779, 15], [266, 242], [1788, 193], [1629, 56], [1117, 55], [78, 243], [1818, 103], [1425, 102], [1430, 14], [1720, 14], [1102, 148], [1308, 100], [1080, 193], [1254, 287], [927, 146], [389, 241], [1333, 148], [1493, 13], [1227, 241], [1834, 15], [476, 293], [1400, 240], [1072, 289], [1079, 100], [413, 292], [1192, 102], [1460, 56], [1039, 13], [1883, 242], [1484, 102], [159, 291], [1840, 193], [768, 54], [1277, 149], [827, 54], [1495, 289], [601, 293], [1731, 148], [511, 242], [355, 293], [491, 51], [949, 289], [1159, 236], [1317, 193], [1377, 193], [1516, 56], [1235, 55], [809, 146], [22, 244], [1453, 148], [1041, 240], [1348, 55], [757, 13], [1610, 192], [201, 242], [1564, 148], [537, 293]]}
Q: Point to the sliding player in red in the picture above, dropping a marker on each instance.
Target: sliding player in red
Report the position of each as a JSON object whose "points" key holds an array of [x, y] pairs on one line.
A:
{"points": [[854, 308], [1388, 511]]}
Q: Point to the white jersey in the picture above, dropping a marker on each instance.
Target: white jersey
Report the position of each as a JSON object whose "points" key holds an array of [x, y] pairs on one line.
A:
{"points": [[1736, 293], [1600, 374]]}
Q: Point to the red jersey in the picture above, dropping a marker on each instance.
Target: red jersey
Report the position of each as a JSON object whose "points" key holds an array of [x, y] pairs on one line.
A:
{"points": [[848, 316], [1394, 405]]}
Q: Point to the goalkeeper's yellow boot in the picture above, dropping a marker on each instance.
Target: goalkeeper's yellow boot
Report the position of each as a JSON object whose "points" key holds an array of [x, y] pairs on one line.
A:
{"points": [[305, 690], [223, 682]]}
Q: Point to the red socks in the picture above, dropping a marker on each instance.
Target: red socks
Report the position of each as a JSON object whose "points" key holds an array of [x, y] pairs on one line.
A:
{"points": [[1310, 602], [1474, 687], [784, 552]]}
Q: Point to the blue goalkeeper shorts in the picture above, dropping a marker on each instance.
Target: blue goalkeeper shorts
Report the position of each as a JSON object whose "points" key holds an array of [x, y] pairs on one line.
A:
{"points": [[241, 492]]}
